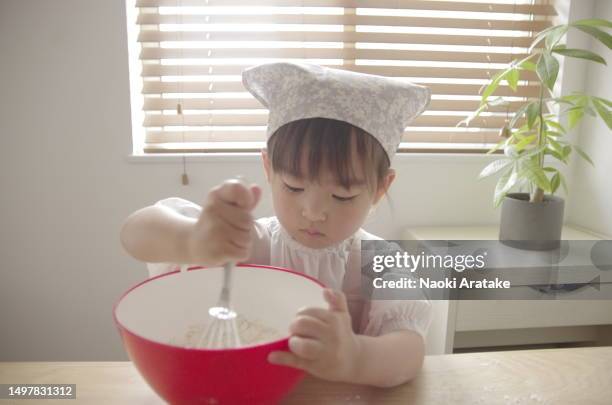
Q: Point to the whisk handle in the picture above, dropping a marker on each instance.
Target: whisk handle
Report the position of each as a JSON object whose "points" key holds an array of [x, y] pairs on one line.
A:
{"points": [[227, 282]]}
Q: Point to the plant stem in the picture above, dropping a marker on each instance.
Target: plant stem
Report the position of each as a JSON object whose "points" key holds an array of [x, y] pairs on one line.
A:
{"points": [[538, 195]]}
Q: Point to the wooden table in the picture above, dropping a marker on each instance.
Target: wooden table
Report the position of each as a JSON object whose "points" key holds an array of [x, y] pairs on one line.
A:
{"points": [[551, 376]]}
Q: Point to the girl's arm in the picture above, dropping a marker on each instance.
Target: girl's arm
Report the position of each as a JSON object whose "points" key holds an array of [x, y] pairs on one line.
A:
{"points": [[223, 231], [389, 360], [157, 234]]}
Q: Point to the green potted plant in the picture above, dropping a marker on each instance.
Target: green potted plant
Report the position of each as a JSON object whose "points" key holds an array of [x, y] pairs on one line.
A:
{"points": [[532, 219]]}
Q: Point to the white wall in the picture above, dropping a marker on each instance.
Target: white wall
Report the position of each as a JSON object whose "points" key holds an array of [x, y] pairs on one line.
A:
{"points": [[67, 182], [591, 202]]}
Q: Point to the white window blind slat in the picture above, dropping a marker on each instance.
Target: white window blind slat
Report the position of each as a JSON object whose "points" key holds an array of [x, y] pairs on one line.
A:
{"points": [[511, 7], [193, 55], [225, 87], [189, 71], [369, 54], [159, 120], [161, 104], [153, 35], [256, 135], [340, 21]]}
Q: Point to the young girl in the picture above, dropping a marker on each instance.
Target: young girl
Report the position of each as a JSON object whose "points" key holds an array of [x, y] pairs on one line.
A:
{"points": [[331, 137]]}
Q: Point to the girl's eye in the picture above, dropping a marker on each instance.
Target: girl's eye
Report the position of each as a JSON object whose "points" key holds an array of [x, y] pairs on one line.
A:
{"points": [[293, 189], [299, 189], [343, 199]]}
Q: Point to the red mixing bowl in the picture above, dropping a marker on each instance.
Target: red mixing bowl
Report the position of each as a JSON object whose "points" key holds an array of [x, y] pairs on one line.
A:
{"points": [[154, 313]]}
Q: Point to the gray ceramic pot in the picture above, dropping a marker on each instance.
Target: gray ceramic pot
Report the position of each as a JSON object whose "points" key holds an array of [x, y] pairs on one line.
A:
{"points": [[531, 226]]}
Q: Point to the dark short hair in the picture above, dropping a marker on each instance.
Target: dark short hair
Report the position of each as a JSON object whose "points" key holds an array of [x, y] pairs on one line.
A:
{"points": [[328, 143]]}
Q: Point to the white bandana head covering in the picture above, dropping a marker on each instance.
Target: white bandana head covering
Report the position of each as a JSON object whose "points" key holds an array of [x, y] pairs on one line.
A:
{"points": [[381, 106]]}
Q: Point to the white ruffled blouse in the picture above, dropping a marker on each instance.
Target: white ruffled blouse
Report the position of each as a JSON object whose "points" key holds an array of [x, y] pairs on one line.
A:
{"points": [[338, 267]]}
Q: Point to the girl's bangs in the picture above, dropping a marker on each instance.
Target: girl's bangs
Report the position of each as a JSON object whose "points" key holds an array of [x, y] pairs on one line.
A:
{"points": [[323, 143]]}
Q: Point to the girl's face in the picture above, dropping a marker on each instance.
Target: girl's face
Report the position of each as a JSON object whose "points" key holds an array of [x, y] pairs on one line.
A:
{"points": [[324, 213]]}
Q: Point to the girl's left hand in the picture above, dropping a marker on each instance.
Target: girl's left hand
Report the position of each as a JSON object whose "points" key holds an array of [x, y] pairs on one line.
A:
{"points": [[322, 341]]}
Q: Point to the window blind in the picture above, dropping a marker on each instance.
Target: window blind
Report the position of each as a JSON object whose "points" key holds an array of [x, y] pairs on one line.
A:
{"points": [[192, 53]]}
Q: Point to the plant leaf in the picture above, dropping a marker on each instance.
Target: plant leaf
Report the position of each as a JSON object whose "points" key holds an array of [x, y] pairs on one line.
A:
{"points": [[543, 34], [512, 78], [575, 114], [527, 65], [494, 167], [567, 149], [577, 99], [555, 35], [492, 86], [556, 146], [603, 112], [496, 147], [582, 100], [534, 151], [533, 111], [519, 113], [555, 181], [524, 142], [593, 22], [555, 125], [583, 154], [595, 32], [547, 69], [579, 53], [536, 175], [607, 103], [505, 183], [556, 155]]}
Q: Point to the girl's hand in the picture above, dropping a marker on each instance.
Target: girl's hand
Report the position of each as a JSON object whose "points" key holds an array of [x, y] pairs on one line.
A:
{"points": [[322, 341], [223, 230]]}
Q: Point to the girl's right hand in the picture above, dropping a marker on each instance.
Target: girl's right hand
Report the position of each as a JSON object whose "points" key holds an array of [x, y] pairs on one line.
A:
{"points": [[223, 231]]}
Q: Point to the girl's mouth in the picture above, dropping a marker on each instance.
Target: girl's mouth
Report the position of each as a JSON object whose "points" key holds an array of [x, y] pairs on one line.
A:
{"points": [[311, 232]]}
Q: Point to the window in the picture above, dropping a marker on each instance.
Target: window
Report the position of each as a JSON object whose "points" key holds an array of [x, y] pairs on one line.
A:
{"points": [[192, 53]]}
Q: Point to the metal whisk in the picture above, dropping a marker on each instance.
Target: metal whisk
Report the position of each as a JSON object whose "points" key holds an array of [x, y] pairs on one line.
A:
{"points": [[222, 331]]}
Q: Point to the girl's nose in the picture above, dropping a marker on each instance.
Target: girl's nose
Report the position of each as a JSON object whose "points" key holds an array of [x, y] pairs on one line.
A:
{"points": [[314, 211], [314, 217]]}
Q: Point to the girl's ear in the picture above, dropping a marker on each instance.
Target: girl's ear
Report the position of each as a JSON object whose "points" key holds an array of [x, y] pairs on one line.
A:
{"points": [[384, 186], [266, 163]]}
